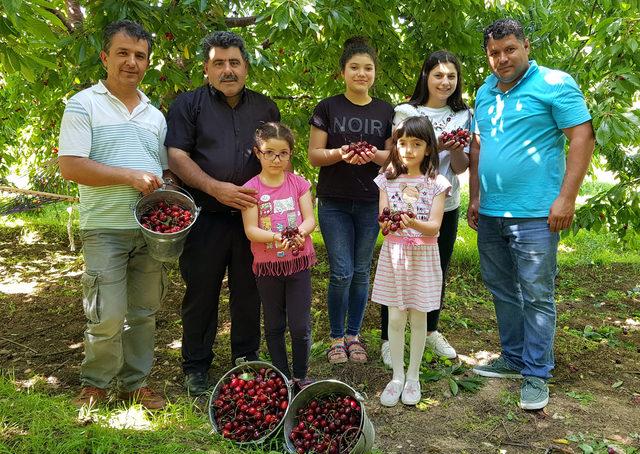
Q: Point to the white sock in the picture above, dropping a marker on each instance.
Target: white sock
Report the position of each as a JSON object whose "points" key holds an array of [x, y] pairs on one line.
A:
{"points": [[397, 324], [418, 338]]}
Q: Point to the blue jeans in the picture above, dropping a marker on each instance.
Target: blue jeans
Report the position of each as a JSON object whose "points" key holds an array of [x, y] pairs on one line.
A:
{"points": [[349, 229], [518, 266]]}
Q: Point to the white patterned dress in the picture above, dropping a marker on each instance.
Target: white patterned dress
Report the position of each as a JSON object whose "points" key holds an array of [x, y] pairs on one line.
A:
{"points": [[408, 275]]}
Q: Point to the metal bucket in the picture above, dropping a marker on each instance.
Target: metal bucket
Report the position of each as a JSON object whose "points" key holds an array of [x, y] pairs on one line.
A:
{"points": [[366, 433], [166, 247], [252, 366]]}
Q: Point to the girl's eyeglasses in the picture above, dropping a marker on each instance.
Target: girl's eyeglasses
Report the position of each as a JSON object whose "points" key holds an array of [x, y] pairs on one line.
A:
{"points": [[271, 156]]}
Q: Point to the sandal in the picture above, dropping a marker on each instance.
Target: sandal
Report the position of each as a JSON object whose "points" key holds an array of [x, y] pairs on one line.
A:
{"points": [[337, 354], [357, 352]]}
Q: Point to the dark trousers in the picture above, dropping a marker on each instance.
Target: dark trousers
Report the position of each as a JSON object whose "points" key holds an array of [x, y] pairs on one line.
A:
{"points": [[287, 300], [217, 244], [446, 240]]}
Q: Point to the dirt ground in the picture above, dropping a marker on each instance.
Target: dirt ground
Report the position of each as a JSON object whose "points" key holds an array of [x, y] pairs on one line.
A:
{"points": [[595, 394]]}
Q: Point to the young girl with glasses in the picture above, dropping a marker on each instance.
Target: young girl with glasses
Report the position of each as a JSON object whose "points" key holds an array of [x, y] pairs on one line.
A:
{"points": [[278, 228]]}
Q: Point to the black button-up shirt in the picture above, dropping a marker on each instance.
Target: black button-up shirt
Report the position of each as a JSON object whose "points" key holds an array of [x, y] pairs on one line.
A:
{"points": [[219, 138]]}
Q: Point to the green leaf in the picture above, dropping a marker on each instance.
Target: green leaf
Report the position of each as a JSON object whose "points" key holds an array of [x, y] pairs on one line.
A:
{"points": [[617, 384], [453, 386], [603, 134]]}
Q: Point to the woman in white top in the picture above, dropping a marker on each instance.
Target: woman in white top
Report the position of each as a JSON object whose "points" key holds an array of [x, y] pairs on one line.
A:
{"points": [[438, 96]]}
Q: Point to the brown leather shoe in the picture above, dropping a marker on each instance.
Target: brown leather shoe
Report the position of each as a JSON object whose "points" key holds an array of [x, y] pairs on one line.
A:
{"points": [[89, 396], [146, 397]]}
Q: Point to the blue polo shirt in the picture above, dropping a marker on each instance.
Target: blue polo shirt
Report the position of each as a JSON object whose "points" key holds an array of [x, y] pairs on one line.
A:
{"points": [[522, 158]]}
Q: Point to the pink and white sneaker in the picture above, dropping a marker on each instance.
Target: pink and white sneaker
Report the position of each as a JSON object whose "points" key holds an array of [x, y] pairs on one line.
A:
{"points": [[391, 394], [411, 394]]}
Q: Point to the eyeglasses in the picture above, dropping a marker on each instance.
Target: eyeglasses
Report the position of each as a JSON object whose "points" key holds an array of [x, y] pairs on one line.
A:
{"points": [[271, 156]]}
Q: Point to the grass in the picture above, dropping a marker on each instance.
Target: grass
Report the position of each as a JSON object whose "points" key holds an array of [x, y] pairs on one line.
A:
{"points": [[35, 419]]}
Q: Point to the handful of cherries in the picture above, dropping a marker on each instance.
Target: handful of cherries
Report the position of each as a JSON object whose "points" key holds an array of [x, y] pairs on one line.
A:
{"points": [[289, 233], [395, 217], [328, 424], [360, 148], [250, 405], [459, 136], [165, 218]]}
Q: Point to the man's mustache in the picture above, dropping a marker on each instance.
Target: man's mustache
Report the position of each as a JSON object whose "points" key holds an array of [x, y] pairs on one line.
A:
{"points": [[228, 79]]}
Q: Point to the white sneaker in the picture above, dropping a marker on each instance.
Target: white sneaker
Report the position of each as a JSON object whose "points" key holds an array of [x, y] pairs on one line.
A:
{"points": [[385, 353], [391, 394], [411, 394], [438, 343]]}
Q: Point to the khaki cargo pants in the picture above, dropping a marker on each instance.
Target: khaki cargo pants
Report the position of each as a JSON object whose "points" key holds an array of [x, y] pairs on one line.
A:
{"points": [[122, 290]]}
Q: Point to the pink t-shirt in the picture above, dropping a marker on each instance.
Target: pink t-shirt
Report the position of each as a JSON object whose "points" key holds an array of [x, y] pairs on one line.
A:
{"points": [[278, 208]]}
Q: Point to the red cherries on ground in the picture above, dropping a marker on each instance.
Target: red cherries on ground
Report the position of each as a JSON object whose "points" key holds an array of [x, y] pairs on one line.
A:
{"points": [[327, 425], [165, 218], [459, 136], [250, 405], [395, 217], [360, 148]]}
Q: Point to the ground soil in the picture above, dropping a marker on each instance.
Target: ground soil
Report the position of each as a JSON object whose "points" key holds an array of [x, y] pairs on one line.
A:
{"points": [[595, 394]]}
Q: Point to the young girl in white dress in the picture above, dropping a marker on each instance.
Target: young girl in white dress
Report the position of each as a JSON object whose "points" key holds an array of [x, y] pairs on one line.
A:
{"points": [[408, 276]]}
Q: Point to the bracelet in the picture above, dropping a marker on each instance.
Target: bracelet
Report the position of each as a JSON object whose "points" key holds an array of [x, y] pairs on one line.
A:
{"points": [[273, 238]]}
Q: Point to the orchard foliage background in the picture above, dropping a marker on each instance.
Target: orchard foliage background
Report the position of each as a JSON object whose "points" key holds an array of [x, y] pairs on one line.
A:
{"points": [[49, 50]]}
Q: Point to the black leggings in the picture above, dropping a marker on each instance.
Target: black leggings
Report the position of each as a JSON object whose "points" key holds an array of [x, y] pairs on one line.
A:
{"points": [[446, 240], [286, 300]]}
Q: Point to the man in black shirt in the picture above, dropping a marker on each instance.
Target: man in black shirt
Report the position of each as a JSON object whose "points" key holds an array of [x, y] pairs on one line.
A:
{"points": [[210, 140]]}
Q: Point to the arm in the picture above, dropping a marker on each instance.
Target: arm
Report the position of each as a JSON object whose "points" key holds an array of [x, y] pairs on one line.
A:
{"points": [[308, 218], [255, 233], [227, 193], [319, 155], [581, 144], [474, 183], [459, 159], [430, 227], [91, 173]]}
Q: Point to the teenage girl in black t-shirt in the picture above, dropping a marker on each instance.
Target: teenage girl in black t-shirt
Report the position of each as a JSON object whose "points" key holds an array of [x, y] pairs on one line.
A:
{"points": [[347, 195]]}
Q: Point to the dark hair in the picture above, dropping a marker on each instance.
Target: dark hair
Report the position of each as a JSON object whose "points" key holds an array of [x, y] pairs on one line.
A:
{"points": [[129, 28], [357, 45], [224, 39], [274, 130], [420, 94], [420, 128], [501, 29]]}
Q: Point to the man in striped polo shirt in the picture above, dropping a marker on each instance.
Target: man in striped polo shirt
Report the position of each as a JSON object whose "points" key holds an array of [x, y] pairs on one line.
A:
{"points": [[112, 145]]}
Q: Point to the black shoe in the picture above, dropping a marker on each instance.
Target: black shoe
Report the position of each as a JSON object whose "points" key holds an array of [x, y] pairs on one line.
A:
{"points": [[196, 383]]}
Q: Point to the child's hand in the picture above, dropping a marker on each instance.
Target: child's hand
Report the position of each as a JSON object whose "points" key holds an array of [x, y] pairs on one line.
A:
{"points": [[350, 157], [406, 221]]}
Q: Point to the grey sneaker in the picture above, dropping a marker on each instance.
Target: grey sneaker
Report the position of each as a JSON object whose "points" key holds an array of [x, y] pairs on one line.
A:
{"points": [[440, 346], [534, 393], [497, 368], [196, 383]]}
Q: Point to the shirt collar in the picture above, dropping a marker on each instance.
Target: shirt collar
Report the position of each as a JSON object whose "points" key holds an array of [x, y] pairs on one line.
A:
{"points": [[101, 88], [221, 97], [492, 80]]}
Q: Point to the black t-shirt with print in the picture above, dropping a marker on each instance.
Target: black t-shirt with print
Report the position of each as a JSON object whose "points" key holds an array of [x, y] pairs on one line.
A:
{"points": [[345, 122]]}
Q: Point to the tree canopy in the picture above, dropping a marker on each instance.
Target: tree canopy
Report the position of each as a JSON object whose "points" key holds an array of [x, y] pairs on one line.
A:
{"points": [[49, 50]]}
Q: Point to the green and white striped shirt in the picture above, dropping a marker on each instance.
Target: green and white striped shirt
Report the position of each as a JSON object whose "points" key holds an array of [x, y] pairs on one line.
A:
{"points": [[98, 126]]}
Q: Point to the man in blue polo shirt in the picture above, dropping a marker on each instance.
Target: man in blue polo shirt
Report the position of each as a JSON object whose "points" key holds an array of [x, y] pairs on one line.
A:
{"points": [[522, 194], [112, 145]]}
